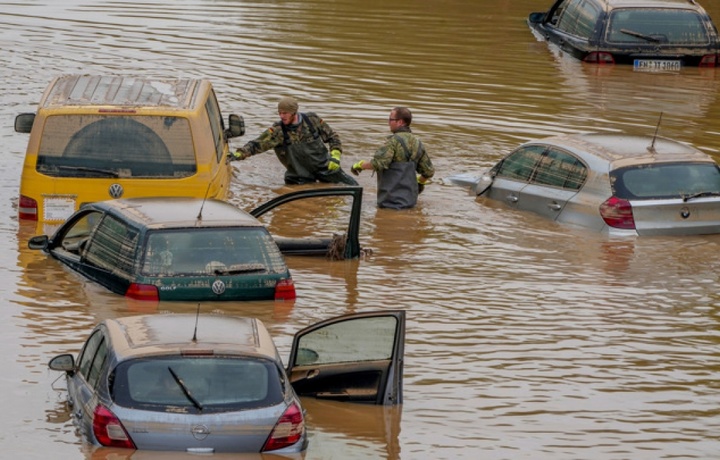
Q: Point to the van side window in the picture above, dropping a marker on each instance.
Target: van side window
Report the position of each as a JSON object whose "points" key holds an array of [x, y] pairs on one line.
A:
{"points": [[216, 125], [521, 163]]}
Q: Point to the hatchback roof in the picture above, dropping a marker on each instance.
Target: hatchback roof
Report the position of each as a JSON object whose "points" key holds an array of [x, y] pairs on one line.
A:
{"points": [[147, 335], [686, 4], [115, 90], [170, 212]]}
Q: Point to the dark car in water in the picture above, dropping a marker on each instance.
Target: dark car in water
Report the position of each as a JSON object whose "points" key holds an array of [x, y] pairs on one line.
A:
{"points": [[661, 35]]}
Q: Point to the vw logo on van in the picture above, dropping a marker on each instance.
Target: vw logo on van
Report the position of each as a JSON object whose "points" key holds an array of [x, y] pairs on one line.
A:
{"points": [[116, 190], [218, 287]]}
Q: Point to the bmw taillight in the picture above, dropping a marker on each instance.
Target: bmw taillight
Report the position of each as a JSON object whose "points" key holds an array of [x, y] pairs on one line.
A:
{"points": [[108, 430], [142, 292], [285, 289], [709, 60], [617, 213], [27, 208], [287, 431], [599, 57]]}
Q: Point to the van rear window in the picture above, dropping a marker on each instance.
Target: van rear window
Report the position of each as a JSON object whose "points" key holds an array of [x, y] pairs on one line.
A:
{"points": [[116, 146]]}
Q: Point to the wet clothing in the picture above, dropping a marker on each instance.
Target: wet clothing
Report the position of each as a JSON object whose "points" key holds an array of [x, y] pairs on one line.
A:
{"points": [[396, 163], [301, 149]]}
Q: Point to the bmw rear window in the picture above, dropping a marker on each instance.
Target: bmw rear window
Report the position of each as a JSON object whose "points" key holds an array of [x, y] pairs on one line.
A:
{"points": [[657, 26], [197, 384], [669, 180]]}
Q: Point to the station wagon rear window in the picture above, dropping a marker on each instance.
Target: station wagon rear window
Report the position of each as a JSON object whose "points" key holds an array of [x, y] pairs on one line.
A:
{"points": [[116, 146], [656, 26], [673, 180]]}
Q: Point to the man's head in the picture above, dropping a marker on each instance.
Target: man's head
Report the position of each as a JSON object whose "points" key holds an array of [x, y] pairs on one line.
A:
{"points": [[287, 109], [399, 116]]}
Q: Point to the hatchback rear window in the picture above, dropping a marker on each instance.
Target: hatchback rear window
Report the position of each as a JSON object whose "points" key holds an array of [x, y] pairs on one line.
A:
{"points": [[116, 146], [212, 251], [673, 180], [656, 26], [196, 384]]}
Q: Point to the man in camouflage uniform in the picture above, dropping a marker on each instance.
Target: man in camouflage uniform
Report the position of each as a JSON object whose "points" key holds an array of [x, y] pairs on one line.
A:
{"points": [[397, 162], [299, 142]]}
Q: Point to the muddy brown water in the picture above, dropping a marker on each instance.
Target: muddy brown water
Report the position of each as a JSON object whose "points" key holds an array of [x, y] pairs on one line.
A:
{"points": [[525, 339]]}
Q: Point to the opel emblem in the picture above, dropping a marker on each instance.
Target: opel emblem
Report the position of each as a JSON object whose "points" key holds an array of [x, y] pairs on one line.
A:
{"points": [[684, 213], [218, 287], [116, 191], [200, 432]]}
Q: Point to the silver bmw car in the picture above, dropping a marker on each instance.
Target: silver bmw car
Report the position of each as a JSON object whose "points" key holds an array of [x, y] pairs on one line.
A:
{"points": [[613, 183], [213, 383]]}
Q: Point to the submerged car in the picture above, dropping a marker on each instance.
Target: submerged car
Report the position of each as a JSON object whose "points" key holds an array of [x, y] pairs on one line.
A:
{"points": [[618, 184], [188, 248], [213, 383], [649, 34]]}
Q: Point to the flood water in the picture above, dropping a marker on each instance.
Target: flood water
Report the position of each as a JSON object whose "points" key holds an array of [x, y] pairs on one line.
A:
{"points": [[525, 339]]}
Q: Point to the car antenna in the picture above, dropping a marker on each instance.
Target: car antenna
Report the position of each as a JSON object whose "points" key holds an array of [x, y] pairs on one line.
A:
{"points": [[197, 316], [651, 148], [199, 216]]}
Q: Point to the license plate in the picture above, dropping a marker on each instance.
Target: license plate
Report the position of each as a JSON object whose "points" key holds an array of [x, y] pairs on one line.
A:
{"points": [[58, 208], [656, 65]]}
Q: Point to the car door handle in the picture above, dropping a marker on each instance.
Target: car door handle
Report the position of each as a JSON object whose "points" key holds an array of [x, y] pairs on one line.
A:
{"points": [[554, 206], [512, 198], [78, 414]]}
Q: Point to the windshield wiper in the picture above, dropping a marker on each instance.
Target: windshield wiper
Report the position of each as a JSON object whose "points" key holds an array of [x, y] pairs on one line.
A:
{"points": [[645, 37], [185, 390], [104, 172], [240, 268], [699, 195]]}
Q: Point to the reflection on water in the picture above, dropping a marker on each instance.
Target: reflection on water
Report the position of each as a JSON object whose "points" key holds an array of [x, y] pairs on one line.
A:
{"points": [[525, 339]]}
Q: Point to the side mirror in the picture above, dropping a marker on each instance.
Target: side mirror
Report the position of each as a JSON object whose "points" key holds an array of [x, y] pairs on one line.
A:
{"points": [[536, 18], [38, 242], [236, 126], [24, 122], [64, 363], [483, 184]]}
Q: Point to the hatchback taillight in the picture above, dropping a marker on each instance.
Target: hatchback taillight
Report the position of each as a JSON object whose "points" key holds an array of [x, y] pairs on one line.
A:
{"points": [[599, 57], [709, 60], [27, 208], [142, 292], [108, 430], [617, 213], [285, 289], [288, 430]]}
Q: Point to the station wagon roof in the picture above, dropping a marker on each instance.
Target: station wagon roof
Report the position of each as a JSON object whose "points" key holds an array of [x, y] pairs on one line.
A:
{"points": [[621, 149], [146, 335], [119, 91], [179, 212]]}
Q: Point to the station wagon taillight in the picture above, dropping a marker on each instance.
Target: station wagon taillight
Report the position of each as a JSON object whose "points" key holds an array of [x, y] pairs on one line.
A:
{"points": [[285, 289], [599, 57], [108, 430], [709, 60], [142, 292], [27, 208], [287, 431], [617, 213]]}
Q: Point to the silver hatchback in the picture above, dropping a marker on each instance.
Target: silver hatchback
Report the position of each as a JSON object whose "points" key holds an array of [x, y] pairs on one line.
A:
{"points": [[613, 183], [213, 383]]}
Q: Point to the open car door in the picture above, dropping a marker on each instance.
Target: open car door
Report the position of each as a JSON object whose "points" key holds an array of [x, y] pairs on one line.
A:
{"points": [[355, 358]]}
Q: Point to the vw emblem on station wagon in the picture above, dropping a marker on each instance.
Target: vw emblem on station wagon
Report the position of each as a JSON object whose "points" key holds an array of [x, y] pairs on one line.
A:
{"points": [[684, 213], [116, 190], [218, 287], [200, 432]]}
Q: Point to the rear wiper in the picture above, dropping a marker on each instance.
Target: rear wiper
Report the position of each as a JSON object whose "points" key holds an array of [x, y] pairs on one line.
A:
{"points": [[240, 268], [699, 195], [185, 390], [105, 172], [645, 37]]}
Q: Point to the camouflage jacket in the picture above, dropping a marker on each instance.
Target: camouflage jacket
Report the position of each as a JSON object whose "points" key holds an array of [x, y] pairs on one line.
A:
{"points": [[393, 151], [310, 126]]}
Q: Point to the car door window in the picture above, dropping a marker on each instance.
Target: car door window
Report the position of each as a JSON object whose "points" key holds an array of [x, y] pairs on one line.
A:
{"points": [[113, 246], [521, 164], [76, 235], [98, 363], [88, 353], [560, 169], [580, 18]]}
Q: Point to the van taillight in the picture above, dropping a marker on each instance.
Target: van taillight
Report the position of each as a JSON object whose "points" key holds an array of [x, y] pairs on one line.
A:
{"points": [[108, 430], [617, 213], [599, 57], [27, 208], [709, 60], [288, 430], [142, 292], [285, 289]]}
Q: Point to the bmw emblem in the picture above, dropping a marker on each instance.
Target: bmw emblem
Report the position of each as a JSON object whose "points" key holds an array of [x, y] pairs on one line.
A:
{"points": [[218, 287], [684, 213], [116, 191]]}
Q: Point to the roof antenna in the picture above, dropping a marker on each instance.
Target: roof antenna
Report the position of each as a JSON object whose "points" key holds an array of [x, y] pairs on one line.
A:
{"points": [[651, 149], [197, 316], [199, 216]]}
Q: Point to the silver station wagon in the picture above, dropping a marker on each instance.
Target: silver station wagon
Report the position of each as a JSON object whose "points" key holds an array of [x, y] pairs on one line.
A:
{"points": [[213, 383], [619, 184]]}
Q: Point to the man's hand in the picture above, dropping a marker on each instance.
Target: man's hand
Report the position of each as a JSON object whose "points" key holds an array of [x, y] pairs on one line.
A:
{"points": [[334, 163], [239, 154], [357, 167], [421, 183]]}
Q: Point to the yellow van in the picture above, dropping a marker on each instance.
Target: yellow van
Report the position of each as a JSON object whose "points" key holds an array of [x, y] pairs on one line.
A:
{"points": [[96, 138]]}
